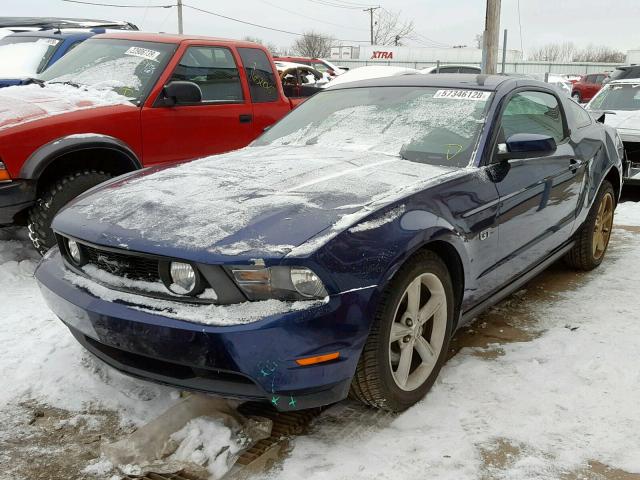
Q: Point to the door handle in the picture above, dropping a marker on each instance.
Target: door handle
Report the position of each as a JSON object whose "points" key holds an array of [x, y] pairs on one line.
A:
{"points": [[245, 118]]}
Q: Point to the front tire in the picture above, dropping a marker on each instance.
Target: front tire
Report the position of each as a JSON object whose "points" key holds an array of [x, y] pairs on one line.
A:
{"points": [[577, 97], [52, 199], [408, 342], [593, 237]]}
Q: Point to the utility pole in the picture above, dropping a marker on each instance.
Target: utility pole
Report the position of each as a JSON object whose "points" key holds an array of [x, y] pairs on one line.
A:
{"points": [[504, 50], [371, 10], [491, 38], [180, 30]]}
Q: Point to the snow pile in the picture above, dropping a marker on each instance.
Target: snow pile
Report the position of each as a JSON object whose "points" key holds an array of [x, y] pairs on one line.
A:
{"points": [[26, 103], [628, 213], [207, 442], [40, 359], [388, 217], [565, 398], [21, 59]]}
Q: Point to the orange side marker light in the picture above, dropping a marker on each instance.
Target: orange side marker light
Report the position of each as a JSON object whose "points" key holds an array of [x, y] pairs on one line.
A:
{"points": [[304, 362]]}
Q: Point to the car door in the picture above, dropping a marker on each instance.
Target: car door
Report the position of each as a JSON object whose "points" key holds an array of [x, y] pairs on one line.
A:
{"points": [[221, 122], [269, 104], [538, 196]]}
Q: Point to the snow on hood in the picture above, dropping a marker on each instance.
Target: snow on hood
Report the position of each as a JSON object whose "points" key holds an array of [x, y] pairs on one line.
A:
{"points": [[27, 103], [258, 200], [623, 119]]}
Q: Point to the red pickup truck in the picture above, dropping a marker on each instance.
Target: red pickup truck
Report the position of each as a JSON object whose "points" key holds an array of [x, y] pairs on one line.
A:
{"points": [[123, 101]]}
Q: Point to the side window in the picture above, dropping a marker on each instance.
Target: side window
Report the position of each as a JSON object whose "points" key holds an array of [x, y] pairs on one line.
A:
{"points": [[449, 69], [580, 116], [321, 67], [599, 79], [533, 112], [590, 79], [214, 70], [262, 81], [469, 70]]}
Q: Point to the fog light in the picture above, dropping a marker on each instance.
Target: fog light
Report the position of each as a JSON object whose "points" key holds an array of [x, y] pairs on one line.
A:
{"points": [[307, 283], [183, 277], [74, 251]]}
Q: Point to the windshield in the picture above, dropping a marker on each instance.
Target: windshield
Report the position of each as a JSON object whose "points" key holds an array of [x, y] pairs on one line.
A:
{"points": [[617, 97], [438, 126], [26, 56], [127, 67]]}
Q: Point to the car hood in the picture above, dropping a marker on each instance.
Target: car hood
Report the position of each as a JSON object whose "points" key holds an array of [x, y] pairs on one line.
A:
{"points": [[625, 119], [27, 103], [255, 202]]}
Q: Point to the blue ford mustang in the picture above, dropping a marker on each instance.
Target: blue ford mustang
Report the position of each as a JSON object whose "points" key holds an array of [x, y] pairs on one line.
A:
{"points": [[340, 251]]}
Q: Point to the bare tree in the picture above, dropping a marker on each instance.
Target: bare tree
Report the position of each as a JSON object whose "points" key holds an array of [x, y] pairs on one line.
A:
{"points": [[554, 52], [599, 53], [269, 46], [389, 29], [313, 44]]}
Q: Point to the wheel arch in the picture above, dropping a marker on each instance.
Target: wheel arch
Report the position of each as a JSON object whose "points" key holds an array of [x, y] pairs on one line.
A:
{"points": [[69, 153]]}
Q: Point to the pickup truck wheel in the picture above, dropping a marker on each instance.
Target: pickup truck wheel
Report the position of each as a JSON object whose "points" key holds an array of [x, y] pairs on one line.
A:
{"points": [[409, 338], [53, 198], [577, 97], [593, 237]]}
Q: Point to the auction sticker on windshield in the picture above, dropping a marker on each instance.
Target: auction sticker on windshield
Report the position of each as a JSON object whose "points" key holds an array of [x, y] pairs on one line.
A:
{"points": [[143, 53], [476, 95], [48, 41]]}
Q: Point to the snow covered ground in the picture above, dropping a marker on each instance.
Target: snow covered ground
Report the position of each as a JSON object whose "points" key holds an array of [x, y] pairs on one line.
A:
{"points": [[543, 408]]}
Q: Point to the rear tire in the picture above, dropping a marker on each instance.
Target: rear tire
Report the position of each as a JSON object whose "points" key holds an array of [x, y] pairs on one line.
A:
{"points": [[407, 346], [52, 199], [577, 97], [593, 237]]}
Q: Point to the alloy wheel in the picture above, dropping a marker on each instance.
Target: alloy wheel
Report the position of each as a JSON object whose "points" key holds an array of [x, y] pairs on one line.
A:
{"points": [[418, 331], [603, 226]]}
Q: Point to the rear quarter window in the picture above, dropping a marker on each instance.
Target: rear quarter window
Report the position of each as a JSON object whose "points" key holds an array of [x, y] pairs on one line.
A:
{"points": [[262, 80], [579, 115]]}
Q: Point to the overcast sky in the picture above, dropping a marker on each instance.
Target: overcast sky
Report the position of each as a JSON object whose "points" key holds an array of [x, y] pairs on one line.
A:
{"points": [[452, 22]]}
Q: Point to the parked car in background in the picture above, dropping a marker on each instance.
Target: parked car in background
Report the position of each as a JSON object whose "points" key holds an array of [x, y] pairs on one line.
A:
{"points": [[323, 66], [342, 249], [623, 72], [452, 69], [619, 102], [33, 24], [26, 55], [300, 81], [588, 85], [370, 72], [121, 101]]}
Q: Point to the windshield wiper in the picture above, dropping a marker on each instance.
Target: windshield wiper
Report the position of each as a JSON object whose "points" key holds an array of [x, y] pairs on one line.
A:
{"points": [[37, 81], [73, 84]]}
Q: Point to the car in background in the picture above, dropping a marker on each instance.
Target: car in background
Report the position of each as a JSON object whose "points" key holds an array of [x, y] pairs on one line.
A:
{"points": [[25, 55], [123, 101], [323, 66], [623, 72], [452, 69], [370, 72], [341, 250], [34, 24], [588, 85], [300, 81], [561, 83], [619, 103]]}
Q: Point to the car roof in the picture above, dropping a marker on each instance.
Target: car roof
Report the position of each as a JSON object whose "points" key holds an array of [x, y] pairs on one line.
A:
{"points": [[54, 34], [631, 81], [174, 38], [449, 80]]}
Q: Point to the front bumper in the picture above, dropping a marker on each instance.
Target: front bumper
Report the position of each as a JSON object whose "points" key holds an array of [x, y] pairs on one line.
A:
{"points": [[252, 361], [15, 196]]}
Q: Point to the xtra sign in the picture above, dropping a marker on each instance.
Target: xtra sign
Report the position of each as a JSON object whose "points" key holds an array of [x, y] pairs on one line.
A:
{"points": [[384, 55]]}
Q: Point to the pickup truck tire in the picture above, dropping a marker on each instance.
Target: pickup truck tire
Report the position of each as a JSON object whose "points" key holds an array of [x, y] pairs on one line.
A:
{"points": [[592, 239], [416, 337], [52, 198], [577, 97]]}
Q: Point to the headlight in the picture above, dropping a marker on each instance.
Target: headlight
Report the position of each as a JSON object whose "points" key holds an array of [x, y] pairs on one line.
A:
{"points": [[307, 283], [184, 278], [283, 283], [74, 251]]}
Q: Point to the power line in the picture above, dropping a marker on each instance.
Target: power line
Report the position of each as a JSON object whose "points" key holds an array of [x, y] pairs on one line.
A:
{"points": [[100, 4], [312, 18], [330, 3]]}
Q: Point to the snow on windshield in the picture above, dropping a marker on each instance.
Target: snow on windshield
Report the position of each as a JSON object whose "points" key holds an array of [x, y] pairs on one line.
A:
{"points": [[116, 73], [22, 59], [444, 128]]}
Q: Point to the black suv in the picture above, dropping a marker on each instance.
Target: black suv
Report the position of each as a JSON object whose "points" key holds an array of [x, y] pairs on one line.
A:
{"points": [[626, 71]]}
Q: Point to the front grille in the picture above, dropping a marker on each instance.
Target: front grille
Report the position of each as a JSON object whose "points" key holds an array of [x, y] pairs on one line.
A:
{"points": [[122, 265]]}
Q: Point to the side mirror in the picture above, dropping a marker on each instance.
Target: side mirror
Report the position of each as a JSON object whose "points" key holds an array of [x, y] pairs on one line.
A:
{"points": [[180, 92], [526, 145]]}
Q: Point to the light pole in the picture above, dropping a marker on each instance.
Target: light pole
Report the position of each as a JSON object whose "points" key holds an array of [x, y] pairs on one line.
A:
{"points": [[180, 30]]}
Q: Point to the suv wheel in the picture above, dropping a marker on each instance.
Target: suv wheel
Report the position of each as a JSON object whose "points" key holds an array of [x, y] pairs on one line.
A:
{"points": [[577, 97], [409, 339], [593, 237], [53, 198]]}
